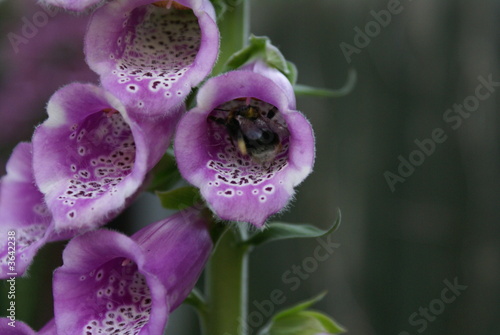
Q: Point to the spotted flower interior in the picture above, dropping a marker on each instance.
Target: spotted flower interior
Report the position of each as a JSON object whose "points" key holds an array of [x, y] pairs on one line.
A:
{"points": [[155, 49], [25, 237], [246, 153], [102, 155], [119, 298]]}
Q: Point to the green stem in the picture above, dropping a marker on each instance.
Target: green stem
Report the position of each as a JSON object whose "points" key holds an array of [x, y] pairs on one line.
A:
{"points": [[226, 280], [227, 288], [234, 30]]}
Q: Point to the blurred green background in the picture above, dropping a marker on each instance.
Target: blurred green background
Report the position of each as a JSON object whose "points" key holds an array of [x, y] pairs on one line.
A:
{"points": [[397, 247]]}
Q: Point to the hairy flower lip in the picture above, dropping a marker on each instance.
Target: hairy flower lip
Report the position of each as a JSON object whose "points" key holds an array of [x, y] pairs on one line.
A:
{"points": [[170, 255], [260, 67], [82, 255], [23, 213], [194, 151], [83, 185], [106, 46]]}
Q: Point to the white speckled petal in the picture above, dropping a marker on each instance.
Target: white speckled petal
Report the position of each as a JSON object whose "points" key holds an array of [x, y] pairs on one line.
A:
{"points": [[91, 155], [25, 221], [237, 185], [150, 56], [114, 284]]}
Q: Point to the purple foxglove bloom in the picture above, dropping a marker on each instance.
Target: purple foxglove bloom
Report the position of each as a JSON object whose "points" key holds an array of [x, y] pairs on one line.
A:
{"points": [[92, 154], [8, 327], [150, 54], [25, 221], [244, 145], [111, 283]]}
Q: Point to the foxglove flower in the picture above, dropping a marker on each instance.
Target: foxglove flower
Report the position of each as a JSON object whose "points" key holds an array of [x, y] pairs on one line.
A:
{"points": [[10, 327], [111, 283], [25, 221], [244, 145], [150, 54], [92, 154]]}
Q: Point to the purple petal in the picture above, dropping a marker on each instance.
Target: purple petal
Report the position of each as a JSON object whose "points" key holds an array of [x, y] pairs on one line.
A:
{"points": [[25, 221], [149, 56], [244, 186], [185, 238], [278, 78], [91, 155], [14, 327], [101, 288], [110, 282], [49, 328]]}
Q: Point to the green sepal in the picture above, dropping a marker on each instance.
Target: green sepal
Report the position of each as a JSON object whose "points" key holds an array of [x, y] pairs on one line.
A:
{"points": [[276, 231], [165, 174], [298, 320], [179, 198], [352, 78], [260, 47], [293, 73]]}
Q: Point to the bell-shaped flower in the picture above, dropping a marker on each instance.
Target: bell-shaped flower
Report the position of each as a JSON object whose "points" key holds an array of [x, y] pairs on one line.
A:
{"points": [[25, 221], [11, 326], [150, 54], [92, 154], [114, 284], [244, 144]]}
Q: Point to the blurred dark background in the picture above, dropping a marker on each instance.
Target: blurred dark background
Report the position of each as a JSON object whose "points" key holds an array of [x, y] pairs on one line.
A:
{"points": [[398, 246]]}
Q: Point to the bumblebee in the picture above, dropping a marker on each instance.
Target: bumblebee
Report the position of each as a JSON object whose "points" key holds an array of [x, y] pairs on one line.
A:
{"points": [[255, 133]]}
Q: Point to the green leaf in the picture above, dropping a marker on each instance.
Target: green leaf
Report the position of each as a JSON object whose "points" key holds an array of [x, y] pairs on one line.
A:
{"points": [[197, 300], [352, 78], [165, 174], [301, 306], [281, 231], [260, 47], [179, 198], [297, 320], [329, 324]]}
